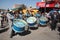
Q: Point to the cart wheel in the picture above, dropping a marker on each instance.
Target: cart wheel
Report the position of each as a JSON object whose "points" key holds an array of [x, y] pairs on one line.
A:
{"points": [[12, 33]]}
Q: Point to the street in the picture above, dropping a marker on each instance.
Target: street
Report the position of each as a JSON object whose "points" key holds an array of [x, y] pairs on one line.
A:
{"points": [[42, 33], [18, 16]]}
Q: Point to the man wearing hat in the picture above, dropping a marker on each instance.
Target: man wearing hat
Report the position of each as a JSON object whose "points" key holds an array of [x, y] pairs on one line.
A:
{"points": [[58, 24], [54, 20]]}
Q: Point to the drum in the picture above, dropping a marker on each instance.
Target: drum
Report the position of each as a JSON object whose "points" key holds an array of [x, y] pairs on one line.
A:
{"points": [[31, 21], [19, 25], [37, 15], [43, 20]]}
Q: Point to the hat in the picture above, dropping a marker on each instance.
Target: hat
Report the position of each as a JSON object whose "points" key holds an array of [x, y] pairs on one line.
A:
{"points": [[55, 11]]}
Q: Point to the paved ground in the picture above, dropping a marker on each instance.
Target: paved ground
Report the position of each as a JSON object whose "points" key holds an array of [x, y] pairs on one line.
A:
{"points": [[42, 33]]}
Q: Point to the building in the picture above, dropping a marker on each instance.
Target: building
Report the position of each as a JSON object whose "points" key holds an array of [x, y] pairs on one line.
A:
{"points": [[19, 5], [16, 5]]}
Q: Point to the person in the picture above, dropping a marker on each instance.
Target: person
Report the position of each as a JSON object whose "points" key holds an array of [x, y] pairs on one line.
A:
{"points": [[21, 14], [28, 14], [0, 19], [4, 20], [38, 14], [16, 15], [43, 14], [0, 11], [32, 13], [53, 20], [48, 16], [43, 18], [58, 24]]}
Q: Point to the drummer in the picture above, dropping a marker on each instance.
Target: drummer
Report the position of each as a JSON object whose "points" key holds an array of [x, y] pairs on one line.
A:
{"points": [[38, 14], [16, 14], [4, 18], [43, 19], [28, 14], [0, 19], [21, 16], [42, 14], [32, 13]]}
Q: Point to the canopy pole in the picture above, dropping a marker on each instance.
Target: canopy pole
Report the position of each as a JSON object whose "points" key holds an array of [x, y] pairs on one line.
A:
{"points": [[45, 6]]}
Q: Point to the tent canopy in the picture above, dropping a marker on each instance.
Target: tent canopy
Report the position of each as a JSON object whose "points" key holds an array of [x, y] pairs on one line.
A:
{"points": [[42, 4]]}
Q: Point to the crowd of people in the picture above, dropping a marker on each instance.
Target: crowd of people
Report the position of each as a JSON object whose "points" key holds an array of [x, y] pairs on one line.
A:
{"points": [[53, 18]]}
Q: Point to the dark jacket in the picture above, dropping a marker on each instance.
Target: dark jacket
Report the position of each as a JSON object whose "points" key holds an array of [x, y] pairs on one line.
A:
{"points": [[58, 18], [53, 19]]}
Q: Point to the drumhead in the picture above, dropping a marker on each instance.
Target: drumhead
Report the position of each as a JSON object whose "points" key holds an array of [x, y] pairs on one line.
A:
{"points": [[19, 23], [31, 19], [43, 18]]}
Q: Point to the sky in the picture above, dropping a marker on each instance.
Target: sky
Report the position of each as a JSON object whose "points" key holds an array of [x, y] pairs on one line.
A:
{"points": [[5, 4]]}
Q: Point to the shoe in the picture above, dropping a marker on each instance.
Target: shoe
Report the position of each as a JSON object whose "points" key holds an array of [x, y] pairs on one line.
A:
{"points": [[59, 33]]}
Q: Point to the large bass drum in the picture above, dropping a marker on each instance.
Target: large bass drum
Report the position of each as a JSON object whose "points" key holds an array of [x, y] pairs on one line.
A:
{"points": [[32, 22], [43, 20], [19, 25]]}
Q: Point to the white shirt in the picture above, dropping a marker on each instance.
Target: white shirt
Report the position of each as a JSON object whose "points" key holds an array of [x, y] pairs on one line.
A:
{"points": [[9, 16]]}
